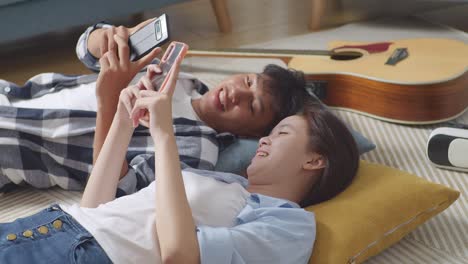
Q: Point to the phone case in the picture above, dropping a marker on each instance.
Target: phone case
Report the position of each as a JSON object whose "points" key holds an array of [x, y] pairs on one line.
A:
{"points": [[175, 50], [149, 37]]}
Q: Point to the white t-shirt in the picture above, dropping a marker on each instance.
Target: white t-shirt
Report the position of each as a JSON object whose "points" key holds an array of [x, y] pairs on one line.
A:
{"points": [[125, 228], [83, 97]]}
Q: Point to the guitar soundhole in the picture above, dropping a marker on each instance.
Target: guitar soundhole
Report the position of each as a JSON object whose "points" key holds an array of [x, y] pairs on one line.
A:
{"points": [[346, 55]]}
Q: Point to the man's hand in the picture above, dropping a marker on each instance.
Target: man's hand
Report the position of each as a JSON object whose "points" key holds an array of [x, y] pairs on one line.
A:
{"points": [[116, 73], [101, 40], [116, 68]]}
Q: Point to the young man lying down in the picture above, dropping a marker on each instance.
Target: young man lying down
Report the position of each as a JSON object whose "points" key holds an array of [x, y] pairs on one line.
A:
{"points": [[49, 125]]}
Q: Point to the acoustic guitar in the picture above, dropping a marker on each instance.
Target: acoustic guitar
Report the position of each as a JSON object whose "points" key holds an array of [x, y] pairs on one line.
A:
{"points": [[429, 86]]}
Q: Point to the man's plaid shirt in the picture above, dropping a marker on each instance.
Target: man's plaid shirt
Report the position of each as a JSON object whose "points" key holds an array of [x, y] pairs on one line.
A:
{"points": [[47, 147]]}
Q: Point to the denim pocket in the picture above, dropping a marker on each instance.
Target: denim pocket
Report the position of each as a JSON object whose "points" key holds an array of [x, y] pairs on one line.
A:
{"points": [[87, 250], [31, 229], [36, 240]]}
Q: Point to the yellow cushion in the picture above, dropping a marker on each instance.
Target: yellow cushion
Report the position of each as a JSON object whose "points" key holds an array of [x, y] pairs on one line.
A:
{"points": [[381, 206]]}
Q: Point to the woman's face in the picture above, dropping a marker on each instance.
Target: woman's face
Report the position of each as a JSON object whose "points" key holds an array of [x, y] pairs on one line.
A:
{"points": [[282, 153]]}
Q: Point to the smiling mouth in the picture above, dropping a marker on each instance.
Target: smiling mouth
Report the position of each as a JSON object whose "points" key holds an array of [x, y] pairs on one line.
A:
{"points": [[261, 154], [222, 99]]}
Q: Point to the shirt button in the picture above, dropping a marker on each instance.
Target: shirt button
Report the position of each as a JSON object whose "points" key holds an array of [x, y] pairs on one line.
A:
{"points": [[7, 89], [43, 230], [28, 233], [57, 224], [11, 237]]}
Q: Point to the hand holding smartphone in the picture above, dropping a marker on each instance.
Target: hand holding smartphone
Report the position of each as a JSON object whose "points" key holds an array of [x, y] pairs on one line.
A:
{"points": [[153, 35], [173, 52]]}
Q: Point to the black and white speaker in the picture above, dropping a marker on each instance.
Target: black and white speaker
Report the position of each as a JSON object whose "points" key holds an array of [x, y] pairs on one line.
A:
{"points": [[447, 148]]}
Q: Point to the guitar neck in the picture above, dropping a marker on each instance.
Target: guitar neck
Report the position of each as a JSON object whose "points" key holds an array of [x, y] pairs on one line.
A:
{"points": [[282, 54]]}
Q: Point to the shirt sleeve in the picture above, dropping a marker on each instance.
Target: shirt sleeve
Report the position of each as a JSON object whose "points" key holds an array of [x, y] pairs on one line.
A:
{"points": [[139, 175], [276, 237], [82, 51]]}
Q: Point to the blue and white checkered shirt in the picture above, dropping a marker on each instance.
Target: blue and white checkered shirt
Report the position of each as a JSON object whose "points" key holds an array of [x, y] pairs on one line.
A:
{"points": [[48, 147]]}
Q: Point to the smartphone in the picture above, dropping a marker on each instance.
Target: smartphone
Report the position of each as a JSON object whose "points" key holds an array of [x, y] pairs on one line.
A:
{"points": [[153, 35], [174, 51]]}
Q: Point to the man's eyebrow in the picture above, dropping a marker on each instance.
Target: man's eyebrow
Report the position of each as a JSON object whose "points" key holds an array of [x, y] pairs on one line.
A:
{"points": [[260, 100]]}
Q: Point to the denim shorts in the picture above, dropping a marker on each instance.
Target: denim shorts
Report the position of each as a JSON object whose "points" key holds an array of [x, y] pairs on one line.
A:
{"points": [[50, 236]]}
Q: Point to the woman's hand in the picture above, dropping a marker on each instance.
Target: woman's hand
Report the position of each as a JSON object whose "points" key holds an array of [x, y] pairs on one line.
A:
{"points": [[158, 103], [129, 95]]}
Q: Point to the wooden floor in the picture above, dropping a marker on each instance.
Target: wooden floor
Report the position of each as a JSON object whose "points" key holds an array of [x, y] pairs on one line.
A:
{"points": [[192, 22]]}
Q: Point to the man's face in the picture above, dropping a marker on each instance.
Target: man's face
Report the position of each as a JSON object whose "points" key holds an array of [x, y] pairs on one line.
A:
{"points": [[240, 105]]}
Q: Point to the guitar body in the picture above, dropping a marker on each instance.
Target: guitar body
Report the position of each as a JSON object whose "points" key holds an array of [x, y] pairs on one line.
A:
{"points": [[405, 104], [429, 86]]}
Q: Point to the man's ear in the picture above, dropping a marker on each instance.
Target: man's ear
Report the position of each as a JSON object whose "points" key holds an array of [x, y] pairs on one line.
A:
{"points": [[315, 162]]}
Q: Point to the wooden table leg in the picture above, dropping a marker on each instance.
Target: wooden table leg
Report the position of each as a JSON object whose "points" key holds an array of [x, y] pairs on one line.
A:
{"points": [[319, 10], [317, 13], [222, 15]]}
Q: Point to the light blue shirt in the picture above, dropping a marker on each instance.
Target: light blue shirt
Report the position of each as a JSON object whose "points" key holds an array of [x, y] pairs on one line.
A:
{"points": [[268, 230]]}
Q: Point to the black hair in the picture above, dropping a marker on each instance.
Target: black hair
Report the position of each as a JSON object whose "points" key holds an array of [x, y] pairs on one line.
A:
{"points": [[329, 137], [287, 87]]}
